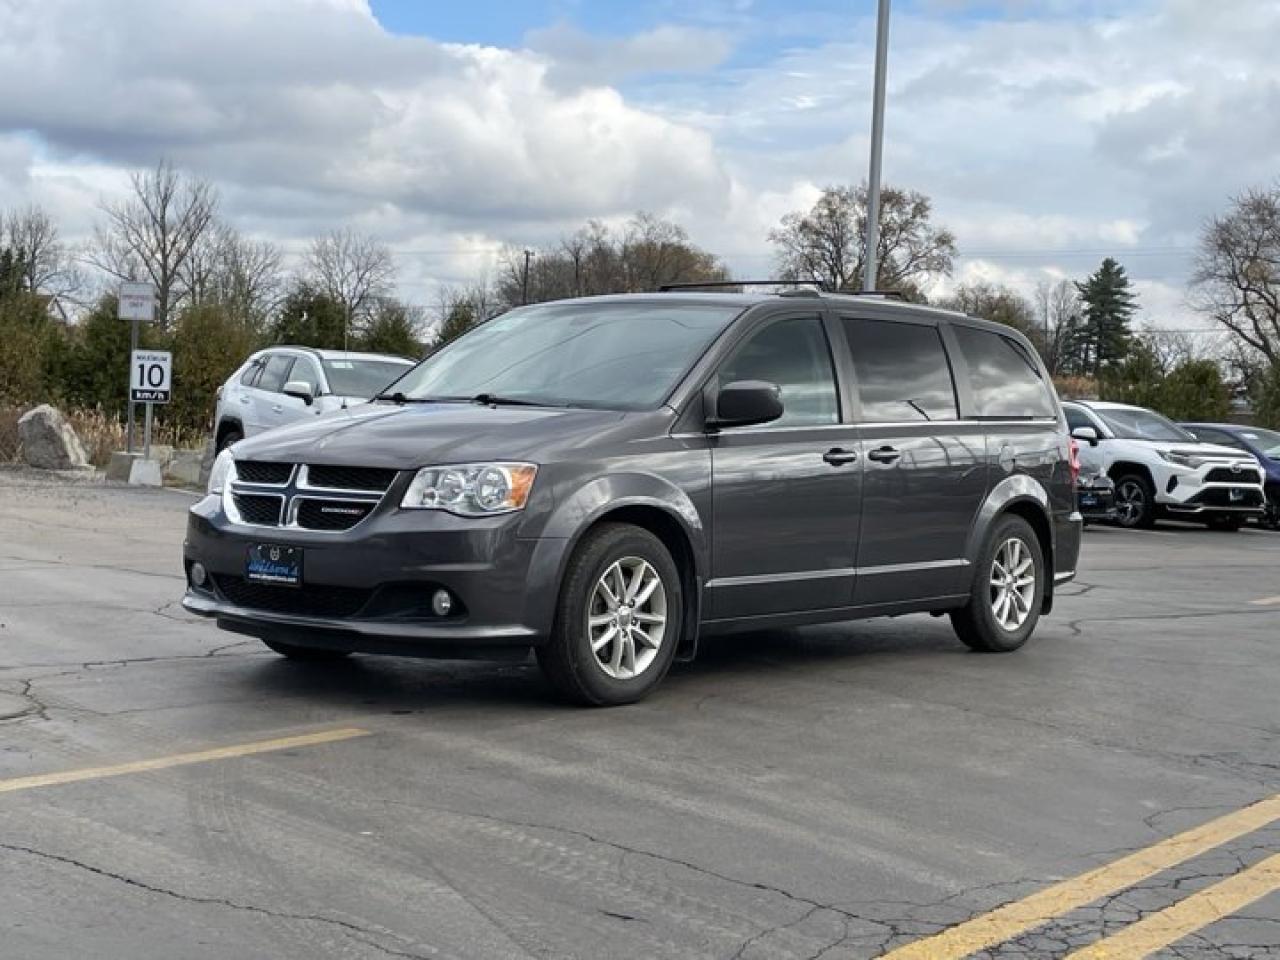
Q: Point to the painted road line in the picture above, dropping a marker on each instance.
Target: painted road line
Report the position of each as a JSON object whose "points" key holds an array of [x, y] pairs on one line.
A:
{"points": [[1202, 908], [1266, 602], [182, 759], [1014, 919]]}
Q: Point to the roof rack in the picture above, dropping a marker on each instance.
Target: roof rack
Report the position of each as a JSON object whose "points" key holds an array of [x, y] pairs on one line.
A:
{"points": [[815, 284], [884, 294]]}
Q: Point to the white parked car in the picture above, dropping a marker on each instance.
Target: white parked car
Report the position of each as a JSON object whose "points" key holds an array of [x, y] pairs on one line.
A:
{"points": [[283, 385], [1162, 470]]}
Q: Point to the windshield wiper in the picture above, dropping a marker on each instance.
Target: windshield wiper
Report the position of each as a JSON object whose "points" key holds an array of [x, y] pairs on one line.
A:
{"points": [[494, 400], [401, 399]]}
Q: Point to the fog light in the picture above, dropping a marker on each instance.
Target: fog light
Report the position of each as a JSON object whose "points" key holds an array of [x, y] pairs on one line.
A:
{"points": [[199, 575], [441, 603]]}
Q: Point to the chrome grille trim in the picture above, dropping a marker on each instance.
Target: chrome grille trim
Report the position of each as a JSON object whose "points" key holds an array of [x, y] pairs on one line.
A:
{"points": [[293, 494]]}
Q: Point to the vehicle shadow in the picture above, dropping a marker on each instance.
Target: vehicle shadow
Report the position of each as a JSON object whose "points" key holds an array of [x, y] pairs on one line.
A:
{"points": [[403, 686]]}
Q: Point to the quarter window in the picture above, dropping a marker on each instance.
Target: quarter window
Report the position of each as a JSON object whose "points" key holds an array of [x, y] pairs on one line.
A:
{"points": [[902, 369], [1005, 378], [251, 374], [794, 355]]}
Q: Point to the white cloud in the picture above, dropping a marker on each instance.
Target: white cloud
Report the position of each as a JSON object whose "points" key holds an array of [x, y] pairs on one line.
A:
{"points": [[578, 58]]}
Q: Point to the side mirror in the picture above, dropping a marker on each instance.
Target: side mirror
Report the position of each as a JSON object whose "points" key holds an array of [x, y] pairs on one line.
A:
{"points": [[300, 389], [1088, 434], [747, 402]]}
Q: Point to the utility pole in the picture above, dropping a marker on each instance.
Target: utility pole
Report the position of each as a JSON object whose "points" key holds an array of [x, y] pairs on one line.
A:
{"points": [[877, 146], [524, 282]]}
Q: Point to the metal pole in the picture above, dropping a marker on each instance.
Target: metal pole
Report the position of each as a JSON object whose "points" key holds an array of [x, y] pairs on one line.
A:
{"points": [[146, 455], [877, 146], [133, 348], [524, 285]]}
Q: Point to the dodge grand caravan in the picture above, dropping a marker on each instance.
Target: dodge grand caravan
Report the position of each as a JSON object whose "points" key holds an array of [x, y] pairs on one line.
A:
{"points": [[606, 480]]}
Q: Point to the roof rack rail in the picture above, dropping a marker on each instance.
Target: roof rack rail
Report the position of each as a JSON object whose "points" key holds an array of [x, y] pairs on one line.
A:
{"points": [[885, 294], [816, 284]]}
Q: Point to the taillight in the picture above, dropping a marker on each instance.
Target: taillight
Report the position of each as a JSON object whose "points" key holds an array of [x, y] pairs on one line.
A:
{"points": [[1075, 461]]}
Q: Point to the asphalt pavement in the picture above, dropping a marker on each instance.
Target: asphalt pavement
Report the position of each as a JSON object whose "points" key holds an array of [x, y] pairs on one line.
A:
{"points": [[171, 791]]}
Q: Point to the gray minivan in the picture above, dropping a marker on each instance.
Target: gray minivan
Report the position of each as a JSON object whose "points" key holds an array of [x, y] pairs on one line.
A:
{"points": [[606, 480]]}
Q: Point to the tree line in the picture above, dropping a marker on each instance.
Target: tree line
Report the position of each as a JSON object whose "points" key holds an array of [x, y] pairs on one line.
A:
{"points": [[220, 295]]}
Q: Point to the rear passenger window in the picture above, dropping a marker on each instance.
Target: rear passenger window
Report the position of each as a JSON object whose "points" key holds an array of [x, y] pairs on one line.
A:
{"points": [[1006, 380], [902, 371], [794, 355], [275, 373]]}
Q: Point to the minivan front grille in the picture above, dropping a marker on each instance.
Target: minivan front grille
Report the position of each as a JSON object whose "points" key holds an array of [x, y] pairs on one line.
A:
{"points": [[259, 471], [324, 498], [350, 478]]}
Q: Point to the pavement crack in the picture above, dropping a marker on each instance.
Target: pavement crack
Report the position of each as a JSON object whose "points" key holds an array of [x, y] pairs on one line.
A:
{"points": [[354, 929]]}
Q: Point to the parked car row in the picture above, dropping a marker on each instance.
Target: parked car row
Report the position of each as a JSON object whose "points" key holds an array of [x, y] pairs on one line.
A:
{"points": [[1138, 466]]}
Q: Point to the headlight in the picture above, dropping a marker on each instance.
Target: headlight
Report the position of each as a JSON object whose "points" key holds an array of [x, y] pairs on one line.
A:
{"points": [[1189, 460], [471, 489], [222, 468]]}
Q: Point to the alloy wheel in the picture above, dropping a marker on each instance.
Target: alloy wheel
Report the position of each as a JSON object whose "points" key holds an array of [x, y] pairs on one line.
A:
{"points": [[1131, 501], [1013, 584], [627, 618]]}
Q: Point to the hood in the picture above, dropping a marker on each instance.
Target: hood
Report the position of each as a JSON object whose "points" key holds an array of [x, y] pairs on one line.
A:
{"points": [[417, 435], [1197, 449]]}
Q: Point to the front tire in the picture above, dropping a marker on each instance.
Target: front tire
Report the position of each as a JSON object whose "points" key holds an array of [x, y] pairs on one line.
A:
{"points": [[618, 619], [1008, 590], [305, 654], [1135, 502]]}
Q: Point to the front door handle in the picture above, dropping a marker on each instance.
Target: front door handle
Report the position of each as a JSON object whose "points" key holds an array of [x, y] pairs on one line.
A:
{"points": [[276, 408], [838, 457], [884, 455]]}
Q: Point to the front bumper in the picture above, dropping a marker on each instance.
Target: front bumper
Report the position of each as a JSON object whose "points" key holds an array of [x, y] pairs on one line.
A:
{"points": [[1190, 492], [369, 589]]}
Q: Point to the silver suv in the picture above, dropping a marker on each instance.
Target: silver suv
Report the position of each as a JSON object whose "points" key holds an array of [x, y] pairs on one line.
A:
{"points": [[283, 385]]}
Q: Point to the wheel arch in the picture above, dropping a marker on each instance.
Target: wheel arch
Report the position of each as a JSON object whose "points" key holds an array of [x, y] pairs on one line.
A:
{"points": [[1120, 467], [1022, 496], [224, 426]]}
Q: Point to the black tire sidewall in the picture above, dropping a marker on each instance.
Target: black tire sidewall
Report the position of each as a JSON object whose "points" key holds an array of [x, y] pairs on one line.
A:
{"points": [[993, 636], [227, 439], [570, 660]]}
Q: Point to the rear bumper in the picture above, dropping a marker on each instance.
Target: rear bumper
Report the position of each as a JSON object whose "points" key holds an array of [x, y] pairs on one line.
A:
{"points": [[1066, 546], [369, 589]]}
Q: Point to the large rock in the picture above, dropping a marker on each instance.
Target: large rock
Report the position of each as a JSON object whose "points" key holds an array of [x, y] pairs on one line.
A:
{"points": [[48, 442]]}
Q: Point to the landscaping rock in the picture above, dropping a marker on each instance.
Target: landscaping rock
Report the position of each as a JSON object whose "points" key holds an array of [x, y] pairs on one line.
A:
{"points": [[184, 467], [48, 442]]}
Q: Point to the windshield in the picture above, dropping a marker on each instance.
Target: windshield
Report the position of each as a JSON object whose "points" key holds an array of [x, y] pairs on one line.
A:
{"points": [[1268, 441], [612, 356], [361, 378], [1143, 425]]}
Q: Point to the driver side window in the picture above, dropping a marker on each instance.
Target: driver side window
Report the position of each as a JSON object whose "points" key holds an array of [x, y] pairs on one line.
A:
{"points": [[793, 354]]}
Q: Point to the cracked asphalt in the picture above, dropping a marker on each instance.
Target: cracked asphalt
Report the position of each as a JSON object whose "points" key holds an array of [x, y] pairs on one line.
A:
{"points": [[832, 792]]}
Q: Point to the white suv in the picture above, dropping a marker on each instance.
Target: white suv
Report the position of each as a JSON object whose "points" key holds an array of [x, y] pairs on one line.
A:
{"points": [[1162, 470], [283, 385]]}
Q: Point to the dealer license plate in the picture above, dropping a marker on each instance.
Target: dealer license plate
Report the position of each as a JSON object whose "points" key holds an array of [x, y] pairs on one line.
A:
{"points": [[271, 563]]}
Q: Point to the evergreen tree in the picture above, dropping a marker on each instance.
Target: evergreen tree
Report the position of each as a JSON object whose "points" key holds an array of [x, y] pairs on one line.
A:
{"points": [[1109, 304], [310, 318], [393, 330], [462, 316]]}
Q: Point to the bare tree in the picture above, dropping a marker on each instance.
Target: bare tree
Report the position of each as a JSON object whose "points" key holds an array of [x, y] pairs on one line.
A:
{"points": [[1237, 277], [353, 270], [47, 266], [1058, 321], [827, 244], [151, 235], [995, 302], [243, 275]]}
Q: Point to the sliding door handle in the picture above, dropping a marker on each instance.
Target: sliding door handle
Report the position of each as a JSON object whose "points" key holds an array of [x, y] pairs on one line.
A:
{"points": [[884, 455]]}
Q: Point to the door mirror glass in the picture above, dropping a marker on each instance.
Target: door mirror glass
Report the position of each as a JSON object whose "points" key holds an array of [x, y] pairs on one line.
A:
{"points": [[746, 402], [300, 389], [1088, 434]]}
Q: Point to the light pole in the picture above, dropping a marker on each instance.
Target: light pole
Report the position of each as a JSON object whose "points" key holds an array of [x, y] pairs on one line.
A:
{"points": [[877, 146], [524, 282]]}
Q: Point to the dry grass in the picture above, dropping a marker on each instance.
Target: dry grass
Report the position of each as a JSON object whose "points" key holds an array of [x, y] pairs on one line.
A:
{"points": [[100, 433]]}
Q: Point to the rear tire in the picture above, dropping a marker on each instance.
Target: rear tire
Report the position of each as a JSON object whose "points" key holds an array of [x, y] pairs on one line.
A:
{"points": [[618, 619], [305, 654], [1007, 592], [1135, 502]]}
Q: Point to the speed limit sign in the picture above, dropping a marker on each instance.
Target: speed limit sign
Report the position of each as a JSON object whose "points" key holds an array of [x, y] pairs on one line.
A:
{"points": [[150, 376]]}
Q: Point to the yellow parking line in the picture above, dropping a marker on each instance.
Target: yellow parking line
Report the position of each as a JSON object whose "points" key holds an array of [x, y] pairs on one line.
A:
{"points": [[1017, 918], [181, 759], [1202, 908]]}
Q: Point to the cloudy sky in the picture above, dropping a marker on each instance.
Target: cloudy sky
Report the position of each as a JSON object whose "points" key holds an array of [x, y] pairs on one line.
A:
{"points": [[1050, 133]]}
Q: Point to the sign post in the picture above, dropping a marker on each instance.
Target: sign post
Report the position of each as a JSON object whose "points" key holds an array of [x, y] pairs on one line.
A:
{"points": [[136, 302], [150, 382]]}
